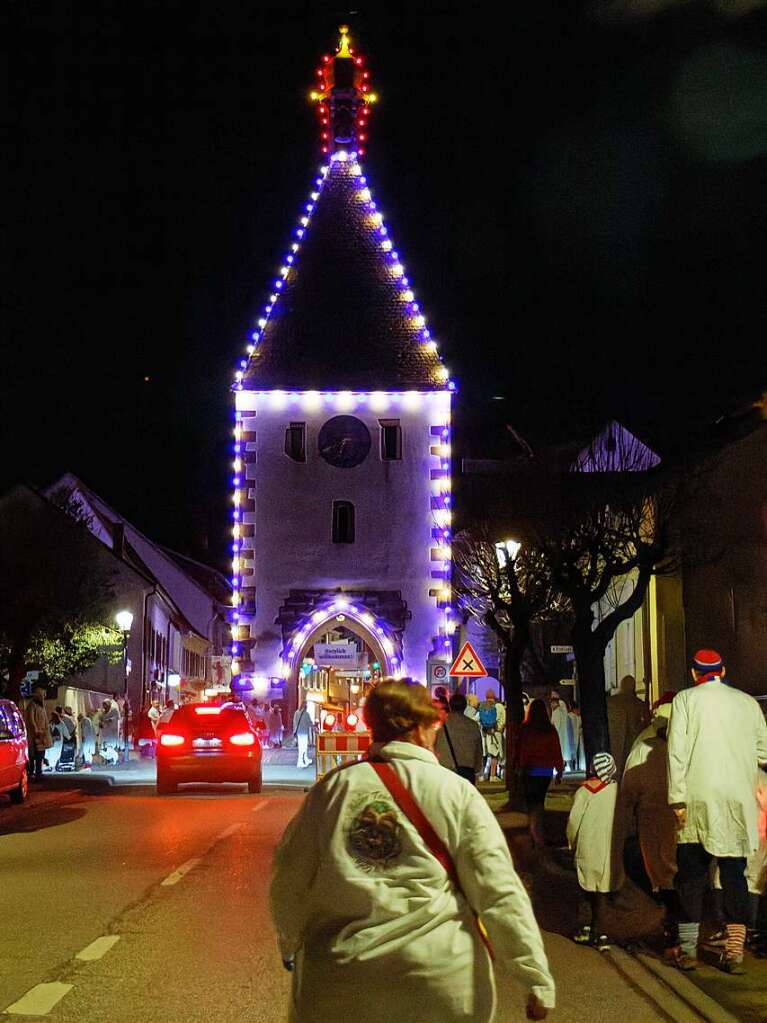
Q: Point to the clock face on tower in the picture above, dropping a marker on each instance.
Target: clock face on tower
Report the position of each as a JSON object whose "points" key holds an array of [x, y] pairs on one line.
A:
{"points": [[344, 441]]}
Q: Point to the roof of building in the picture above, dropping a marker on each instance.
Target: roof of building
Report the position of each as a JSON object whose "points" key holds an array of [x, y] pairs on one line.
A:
{"points": [[341, 321]]}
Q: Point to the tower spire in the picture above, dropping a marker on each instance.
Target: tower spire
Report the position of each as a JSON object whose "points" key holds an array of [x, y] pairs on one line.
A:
{"points": [[343, 97]]}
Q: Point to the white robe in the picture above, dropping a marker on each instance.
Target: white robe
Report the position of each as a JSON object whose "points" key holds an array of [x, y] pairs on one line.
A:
{"points": [[372, 916], [717, 735], [560, 720], [644, 797], [595, 834]]}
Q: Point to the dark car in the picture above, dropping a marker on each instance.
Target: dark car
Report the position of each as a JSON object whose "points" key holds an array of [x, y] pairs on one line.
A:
{"points": [[13, 752], [204, 742]]}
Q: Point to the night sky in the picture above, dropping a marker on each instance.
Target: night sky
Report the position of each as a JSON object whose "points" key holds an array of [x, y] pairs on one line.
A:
{"points": [[578, 198]]}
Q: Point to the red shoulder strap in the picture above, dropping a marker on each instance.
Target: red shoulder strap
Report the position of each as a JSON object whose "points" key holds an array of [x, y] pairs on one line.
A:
{"points": [[406, 801]]}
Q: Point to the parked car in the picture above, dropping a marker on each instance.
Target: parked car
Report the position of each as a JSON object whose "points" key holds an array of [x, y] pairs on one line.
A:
{"points": [[204, 742], [13, 752]]}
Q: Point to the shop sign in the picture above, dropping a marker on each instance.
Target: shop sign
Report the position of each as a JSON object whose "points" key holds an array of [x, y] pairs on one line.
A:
{"points": [[337, 655]]}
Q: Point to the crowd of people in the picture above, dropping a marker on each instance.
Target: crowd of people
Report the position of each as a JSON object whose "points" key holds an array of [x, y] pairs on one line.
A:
{"points": [[686, 795], [59, 739]]}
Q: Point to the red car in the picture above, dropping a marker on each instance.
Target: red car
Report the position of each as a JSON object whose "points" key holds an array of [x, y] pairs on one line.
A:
{"points": [[13, 752], [204, 742]]}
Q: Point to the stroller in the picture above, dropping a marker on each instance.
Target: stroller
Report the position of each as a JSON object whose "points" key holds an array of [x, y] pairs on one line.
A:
{"points": [[66, 761]]}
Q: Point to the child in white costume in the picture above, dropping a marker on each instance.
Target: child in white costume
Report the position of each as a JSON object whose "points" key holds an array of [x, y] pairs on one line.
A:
{"points": [[594, 834]]}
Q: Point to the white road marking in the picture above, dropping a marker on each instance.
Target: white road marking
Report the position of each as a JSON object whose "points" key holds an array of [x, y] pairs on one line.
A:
{"points": [[176, 876], [98, 948], [231, 830], [39, 1000]]}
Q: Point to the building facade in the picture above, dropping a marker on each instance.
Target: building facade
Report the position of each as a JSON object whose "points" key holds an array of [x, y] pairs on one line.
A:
{"points": [[341, 516]]}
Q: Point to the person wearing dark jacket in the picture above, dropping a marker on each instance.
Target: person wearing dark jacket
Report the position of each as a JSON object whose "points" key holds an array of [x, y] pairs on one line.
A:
{"points": [[538, 757], [459, 741]]}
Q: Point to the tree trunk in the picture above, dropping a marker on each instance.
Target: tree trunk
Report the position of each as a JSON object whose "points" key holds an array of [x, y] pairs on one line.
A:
{"points": [[589, 656], [513, 654]]}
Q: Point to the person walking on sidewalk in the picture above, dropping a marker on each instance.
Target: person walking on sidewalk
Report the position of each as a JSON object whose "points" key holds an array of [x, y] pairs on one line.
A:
{"points": [[459, 742], [39, 737], [492, 720], [595, 835], [538, 757], [302, 730], [381, 881], [717, 737], [643, 801]]}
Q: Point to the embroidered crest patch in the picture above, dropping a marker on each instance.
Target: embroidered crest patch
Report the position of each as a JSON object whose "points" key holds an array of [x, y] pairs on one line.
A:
{"points": [[374, 833]]}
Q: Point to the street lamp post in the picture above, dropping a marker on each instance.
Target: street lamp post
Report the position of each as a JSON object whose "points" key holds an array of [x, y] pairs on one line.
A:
{"points": [[124, 620]]}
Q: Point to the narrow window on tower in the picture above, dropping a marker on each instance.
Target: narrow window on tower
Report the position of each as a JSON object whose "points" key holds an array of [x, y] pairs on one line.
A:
{"points": [[343, 522], [295, 442], [391, 440]]}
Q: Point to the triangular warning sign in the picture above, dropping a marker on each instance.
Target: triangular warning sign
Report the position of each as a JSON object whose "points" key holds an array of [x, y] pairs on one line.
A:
{"points": [[467, 664]]}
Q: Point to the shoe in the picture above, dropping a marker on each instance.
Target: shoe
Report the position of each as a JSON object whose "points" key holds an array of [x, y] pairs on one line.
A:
{"points": [[680, 960], [717, 940], [583, 936], [732, 965], [601, 943]]}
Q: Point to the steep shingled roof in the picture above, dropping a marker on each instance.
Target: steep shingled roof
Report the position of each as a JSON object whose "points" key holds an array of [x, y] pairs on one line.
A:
{"points": [[340, 321]]}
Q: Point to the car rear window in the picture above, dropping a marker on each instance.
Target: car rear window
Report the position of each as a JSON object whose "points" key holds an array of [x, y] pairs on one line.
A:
{"points": [[225, 720]]}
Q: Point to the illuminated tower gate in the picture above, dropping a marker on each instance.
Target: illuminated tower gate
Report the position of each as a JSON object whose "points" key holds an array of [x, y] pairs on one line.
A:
{"points": [[341, 503]]}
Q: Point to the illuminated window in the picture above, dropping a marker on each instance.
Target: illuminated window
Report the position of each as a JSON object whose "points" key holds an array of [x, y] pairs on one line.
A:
{"points": [[295, 442], [391, 440], [343, 522]]}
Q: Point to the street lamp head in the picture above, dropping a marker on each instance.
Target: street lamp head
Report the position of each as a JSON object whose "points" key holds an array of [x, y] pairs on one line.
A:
{"points": [[507, 550], [124, 620]]}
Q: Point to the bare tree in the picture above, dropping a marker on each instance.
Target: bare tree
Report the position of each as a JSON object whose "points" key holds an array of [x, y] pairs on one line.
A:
{"points": [[506, 590], [602, 539]]}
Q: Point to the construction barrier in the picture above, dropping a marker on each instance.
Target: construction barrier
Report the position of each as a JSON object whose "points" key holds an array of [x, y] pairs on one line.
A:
{"points": [[337, 748]]}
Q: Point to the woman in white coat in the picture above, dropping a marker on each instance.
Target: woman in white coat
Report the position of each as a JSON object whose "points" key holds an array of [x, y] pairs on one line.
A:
{"points": [[369, 915]]}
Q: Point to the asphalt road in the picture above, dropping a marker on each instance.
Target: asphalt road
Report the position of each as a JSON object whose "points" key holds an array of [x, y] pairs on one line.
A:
{"points": [[175, 887]]}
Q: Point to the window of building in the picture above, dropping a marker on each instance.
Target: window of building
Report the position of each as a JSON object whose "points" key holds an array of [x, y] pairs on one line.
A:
{"points": [[295, 442], [391, 440], [343, 522]]}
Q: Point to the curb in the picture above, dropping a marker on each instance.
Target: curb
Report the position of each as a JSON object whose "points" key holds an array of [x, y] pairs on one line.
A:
{"points": [[686, 990]]}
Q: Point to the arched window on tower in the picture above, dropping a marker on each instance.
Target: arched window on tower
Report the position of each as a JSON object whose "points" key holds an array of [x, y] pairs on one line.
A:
{"points": [[343, 522]]}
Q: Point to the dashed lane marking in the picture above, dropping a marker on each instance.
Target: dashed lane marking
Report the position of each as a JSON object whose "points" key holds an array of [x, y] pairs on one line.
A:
{"points": [[98, 948], [39, 1000], [231, 830], [176, 876]]}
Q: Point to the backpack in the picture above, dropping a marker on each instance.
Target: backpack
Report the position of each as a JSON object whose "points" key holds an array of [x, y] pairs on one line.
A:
{"points": [[488, 717]]}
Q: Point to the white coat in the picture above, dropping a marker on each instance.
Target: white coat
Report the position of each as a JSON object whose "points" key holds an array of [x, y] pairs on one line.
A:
{"points": [[594, 833], [644, 797], [379, 931], [717, 735]]}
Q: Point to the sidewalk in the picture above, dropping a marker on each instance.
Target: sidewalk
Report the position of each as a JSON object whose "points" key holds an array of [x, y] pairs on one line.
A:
{"points": [[279, 770], [634, 921]]}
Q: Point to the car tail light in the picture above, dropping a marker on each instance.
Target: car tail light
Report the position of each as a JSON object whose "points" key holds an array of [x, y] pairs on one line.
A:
{"points": [[243, 739], [207, 710], [168, 739]]}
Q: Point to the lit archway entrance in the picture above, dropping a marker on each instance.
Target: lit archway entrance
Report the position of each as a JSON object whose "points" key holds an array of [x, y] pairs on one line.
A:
{"points": [[337, 653]]}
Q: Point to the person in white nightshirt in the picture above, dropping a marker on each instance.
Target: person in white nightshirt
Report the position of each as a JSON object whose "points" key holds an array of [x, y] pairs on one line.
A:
{"points": [[364, 910], [595, 836]]}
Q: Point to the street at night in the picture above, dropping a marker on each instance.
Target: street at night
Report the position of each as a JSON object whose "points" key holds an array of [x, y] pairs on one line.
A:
{"points": [[182, 882], [383, 518]]}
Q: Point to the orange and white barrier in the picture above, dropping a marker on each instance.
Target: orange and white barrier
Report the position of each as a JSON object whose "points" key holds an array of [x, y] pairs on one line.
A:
{"points": [[337, 748]]}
